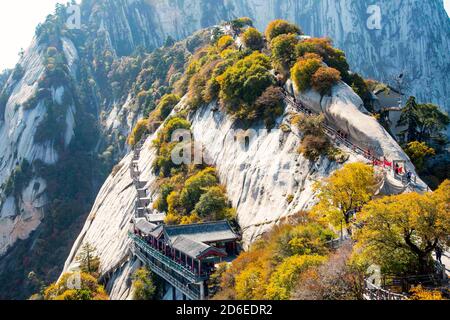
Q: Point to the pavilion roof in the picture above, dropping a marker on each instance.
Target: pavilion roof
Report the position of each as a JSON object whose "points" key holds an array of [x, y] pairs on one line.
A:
{"points": [[194, 248], [144, 226], [202, 232]]}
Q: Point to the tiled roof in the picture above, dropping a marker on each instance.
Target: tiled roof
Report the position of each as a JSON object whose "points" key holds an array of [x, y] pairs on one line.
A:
{"points": [[156, 217], [190, 247], [144, 226], [202, 232]]}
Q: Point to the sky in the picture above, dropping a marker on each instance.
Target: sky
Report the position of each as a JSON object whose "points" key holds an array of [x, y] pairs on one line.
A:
{"points": [[18, 20]]}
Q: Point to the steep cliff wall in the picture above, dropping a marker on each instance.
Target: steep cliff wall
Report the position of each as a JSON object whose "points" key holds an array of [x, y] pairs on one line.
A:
{"points": [[259, 173], [412, 36]]}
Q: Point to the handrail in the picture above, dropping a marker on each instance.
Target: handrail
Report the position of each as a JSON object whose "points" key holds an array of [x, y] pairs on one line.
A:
{"points": [[335, 135], [374, 292], [169, 278], [166, 260]]}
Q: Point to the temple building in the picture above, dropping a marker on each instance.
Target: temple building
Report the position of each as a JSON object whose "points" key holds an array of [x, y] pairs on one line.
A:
{"points": [[184, 255]]}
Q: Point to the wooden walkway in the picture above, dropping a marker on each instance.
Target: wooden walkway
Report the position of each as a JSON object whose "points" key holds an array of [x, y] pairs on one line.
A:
{"points": [[340, 139]]}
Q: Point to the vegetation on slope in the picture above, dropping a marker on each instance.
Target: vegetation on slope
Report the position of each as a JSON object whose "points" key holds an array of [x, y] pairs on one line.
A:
{"points": [[189, 193], [296, 260]]}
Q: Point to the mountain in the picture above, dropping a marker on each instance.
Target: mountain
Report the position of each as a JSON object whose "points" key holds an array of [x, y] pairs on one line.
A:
{"points": [[68, 106], [260, 175]]}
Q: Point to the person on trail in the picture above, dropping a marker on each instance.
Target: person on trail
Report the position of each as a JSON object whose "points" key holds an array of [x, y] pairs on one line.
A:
{"points": [[408, 176], [438, 252]]}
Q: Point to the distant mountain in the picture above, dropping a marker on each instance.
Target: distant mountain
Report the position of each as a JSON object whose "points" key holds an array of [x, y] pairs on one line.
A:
{"points": [[68, 106]]}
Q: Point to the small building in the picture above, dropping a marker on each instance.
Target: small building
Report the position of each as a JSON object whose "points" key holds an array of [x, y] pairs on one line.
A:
{"points": [[185, 255], [389, 102], [156, 218]]}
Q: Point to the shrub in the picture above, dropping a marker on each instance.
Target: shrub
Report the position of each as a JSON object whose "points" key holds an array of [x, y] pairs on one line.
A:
{"points": [[89, 288], [138, 131], [143, 287], [203, 85], [242, 83], [18, 72], [242, 22], [213, 205], [270, 105], [224, 42], [253, 39], [142, 97], [312, 125], [161, 203], [285, 277], [283, 51], [324, 79], [175, 123], [418, 152], [420, 293], [196, 186], [166, 105], [313, 147], [163, 164], [360, 86], [52, 51], [303, 71], [278, 27], [334, 58]]}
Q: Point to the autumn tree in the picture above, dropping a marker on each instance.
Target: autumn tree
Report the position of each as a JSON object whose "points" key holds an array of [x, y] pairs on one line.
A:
{"points": [[283, 51], [347, 189], [418, 152], [334, 58], [302, 72], [278, 27], [324, 79], [88, 259], [271, 267], [75, 286], [242, 83], [270, 105], [400, 232], [284, 278], [224, 42], [253, 39], [138, 132], [336, 279], [142, 286]]}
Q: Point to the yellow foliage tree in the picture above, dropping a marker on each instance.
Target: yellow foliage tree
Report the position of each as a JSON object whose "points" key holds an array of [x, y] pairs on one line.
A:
{"points": [[286, 275], [224, 42], [400, 232], [76, 286], [346, 189], [418, 152], [138, 131]]}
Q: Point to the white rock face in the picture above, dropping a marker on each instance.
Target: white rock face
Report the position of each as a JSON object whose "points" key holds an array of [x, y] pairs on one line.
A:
{"points": [[17, 144], [259, 173]]}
